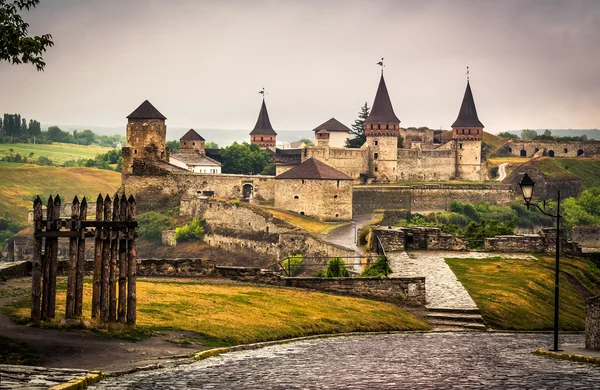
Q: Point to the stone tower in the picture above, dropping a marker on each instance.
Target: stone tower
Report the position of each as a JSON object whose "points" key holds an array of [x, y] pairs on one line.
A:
{"points": [[382, 128], [467, 132], [192, 143], [146, 137], [263, 133]]}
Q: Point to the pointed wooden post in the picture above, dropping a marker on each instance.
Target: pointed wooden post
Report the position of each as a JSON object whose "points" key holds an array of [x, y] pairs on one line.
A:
{"points": [[104, 285], [132, 265], [46, 259], [80, 260], [97, 261], [122, 310], [54, 260], [36, 262], [72, 266], [114, 253]]}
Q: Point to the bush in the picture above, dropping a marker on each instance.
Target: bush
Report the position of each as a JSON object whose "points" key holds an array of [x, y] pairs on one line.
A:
{"points": [[151, 225], [493, 172], [477, 232], [377, 269], [336, 268], [192, 231], [293, 264]]}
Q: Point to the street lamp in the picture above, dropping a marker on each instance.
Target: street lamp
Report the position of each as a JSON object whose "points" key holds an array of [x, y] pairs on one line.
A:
{"points": [[527, 185]]}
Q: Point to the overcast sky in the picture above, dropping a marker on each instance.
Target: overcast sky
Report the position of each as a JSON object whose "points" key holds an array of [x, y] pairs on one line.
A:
{"points": [[534, 63]]}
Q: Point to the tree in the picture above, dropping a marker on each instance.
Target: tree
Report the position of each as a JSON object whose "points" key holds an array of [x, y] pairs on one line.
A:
{"points": [[307, 142], [174, 146], [546, 136], [358, 129], [16, 46], [247, 159], [528, 134], [211, 145], [34, 128], [506, 134], [24, 127]]}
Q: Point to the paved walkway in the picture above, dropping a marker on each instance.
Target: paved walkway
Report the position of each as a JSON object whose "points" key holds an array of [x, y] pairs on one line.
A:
{"points": [[443, 290], [415, 361], [502, 172], [28, 377]]}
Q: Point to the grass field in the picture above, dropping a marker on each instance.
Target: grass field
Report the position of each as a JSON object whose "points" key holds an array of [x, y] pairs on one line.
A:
{"points": [[519, 294], [227, 314], [57, 152], [495, 161], [310, 224], [19, 183], [588, 169]]}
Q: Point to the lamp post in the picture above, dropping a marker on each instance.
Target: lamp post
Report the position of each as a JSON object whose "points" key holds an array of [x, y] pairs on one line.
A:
{"points": [[527, 185]]}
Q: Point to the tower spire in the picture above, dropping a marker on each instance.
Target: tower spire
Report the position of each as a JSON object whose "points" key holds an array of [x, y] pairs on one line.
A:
{"points": [[467, 73]]}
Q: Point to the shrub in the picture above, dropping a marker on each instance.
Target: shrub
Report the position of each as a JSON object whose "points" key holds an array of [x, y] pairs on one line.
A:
{"points": [[377, 269], [151, 225], [336, 268], [293, 264], [191, 231], [493, 172], [477, 232]]}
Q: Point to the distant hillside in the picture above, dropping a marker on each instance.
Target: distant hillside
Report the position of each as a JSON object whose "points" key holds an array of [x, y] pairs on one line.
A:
{"points": [[591, 133], [223, 137], [19, 183]]}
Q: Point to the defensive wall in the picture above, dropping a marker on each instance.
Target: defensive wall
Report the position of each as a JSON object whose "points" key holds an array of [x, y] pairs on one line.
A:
{"points": [[395, 290], [351, 161], [426, 165], [592, 323], [587, 236], [544, 242], [552, 148], [426, 197], [415, 238]]}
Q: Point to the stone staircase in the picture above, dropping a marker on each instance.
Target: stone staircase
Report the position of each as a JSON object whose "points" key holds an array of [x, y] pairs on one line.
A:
{"points": [[443, 319]]}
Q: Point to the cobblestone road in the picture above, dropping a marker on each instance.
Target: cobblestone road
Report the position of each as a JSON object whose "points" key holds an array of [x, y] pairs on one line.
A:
{"points": [[442, 289], [418, 361]]}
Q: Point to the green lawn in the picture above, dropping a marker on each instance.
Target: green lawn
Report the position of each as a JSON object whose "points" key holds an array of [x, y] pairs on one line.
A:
{"points": [[57, 152], [519, 294], [19, 183], [227, 314], [588, 169]]}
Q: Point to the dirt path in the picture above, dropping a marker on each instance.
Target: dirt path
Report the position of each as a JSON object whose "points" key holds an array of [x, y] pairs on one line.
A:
{"points": [[86, 350], [502, 172]]}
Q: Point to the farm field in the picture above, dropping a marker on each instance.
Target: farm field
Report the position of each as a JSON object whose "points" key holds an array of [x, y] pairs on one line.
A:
{"points": [[19, 183], [57, 152]]}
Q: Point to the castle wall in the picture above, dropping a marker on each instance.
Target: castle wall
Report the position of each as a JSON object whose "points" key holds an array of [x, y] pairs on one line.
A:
{"points": [[383, 154], [425, 165], [412, 133], [427, 197], [352, 162], [573, 149], [329, 200], [468, 159]]}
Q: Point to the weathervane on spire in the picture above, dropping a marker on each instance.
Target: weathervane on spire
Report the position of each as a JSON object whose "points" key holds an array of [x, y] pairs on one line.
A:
{"points": [[467, 74], [380, 63], [263, 93]]}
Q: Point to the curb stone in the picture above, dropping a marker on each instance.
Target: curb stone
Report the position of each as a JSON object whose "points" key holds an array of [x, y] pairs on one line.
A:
{"points": [[81, 382], [568, 356]]}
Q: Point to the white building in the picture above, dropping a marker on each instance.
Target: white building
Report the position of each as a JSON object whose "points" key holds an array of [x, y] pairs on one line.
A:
{"points": [[339, 133]]}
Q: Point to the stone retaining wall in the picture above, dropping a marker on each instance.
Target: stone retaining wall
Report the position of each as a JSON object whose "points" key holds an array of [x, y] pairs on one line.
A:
{"points": [[416, 237], [543, 242], [592, 323], [587, 236], [13, 270]]}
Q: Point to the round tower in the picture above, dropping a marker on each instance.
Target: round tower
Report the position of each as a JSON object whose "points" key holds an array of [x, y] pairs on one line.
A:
{"points": [[146, 136], [382, 128]]}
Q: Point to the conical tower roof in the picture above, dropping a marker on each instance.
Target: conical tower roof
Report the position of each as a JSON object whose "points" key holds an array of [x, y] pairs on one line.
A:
{"points": [[263, 124], [191, 135], [382, 110], [146, 111], [467, 116]]}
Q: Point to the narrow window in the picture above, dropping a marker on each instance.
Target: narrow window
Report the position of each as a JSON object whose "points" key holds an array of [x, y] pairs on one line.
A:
{"points": [[375, 169], [335, 196], [134, 151], [338, 183], [387, 127], [337, 215], [376, 143], [378, 126], [296, 197], [460, 146], [375, 156], [193, 144], [301, 212]]}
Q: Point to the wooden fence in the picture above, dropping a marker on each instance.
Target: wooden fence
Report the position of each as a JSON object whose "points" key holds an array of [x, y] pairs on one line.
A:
{"points": [[114, 276]]}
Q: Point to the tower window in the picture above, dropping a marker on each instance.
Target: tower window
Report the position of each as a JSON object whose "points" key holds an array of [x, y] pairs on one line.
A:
{"points": [[261, 138], [371, 126], [296, 197], [376, 169], [375, 156], [134, 151], [469, 131], [338, 183], [301, 212], [335, 196], [337, 215], [460, 146], [378, 126], [193, 143], [387, 127], [376, 143], [185, 143]]}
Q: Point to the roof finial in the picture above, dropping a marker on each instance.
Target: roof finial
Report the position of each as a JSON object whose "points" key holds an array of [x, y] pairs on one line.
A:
{"points": [[467, 74], [263, 93], [380, 63]]}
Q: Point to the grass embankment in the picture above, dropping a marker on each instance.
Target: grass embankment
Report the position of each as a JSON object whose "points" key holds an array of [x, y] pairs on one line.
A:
{"points": [[496, 161], [19, 183], [227, 314], [588, 170], [551, 169], [307, 223], [519, 294], [57, 152]]}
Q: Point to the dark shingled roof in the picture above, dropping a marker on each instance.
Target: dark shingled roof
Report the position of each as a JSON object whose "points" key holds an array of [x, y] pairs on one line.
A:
{"points": [[382, 110], [332, 125], [146, 111], [263, 124], [192, 135], [467, 116], [313, 169]]}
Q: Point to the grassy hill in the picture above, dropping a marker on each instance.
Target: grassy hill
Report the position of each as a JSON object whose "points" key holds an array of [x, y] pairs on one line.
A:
{"points": [[519, 294], [57, 152], [588, 170], [19, 183]]}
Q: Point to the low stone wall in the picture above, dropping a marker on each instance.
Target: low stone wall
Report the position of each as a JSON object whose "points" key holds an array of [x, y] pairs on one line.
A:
{"points": [[417, 237], [592, 323], [544, 242], [587, 236], [11, 270], [395, 290]]}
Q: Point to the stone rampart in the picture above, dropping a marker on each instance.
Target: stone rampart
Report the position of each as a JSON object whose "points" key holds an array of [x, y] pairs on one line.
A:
{"points": [[416, 238], [592, 323], [587, 236], [426, 165], [543, 242], [552, 148]]}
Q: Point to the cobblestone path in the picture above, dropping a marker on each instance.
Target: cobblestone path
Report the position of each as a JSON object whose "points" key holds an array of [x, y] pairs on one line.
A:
{"points": [[418, 361], [442, 289]]}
